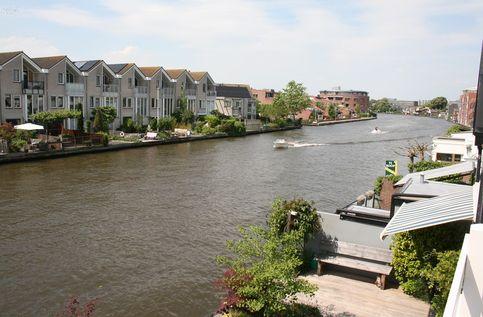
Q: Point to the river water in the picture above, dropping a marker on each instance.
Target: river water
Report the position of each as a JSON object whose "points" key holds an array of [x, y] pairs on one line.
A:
{"points": [[139, 229]]}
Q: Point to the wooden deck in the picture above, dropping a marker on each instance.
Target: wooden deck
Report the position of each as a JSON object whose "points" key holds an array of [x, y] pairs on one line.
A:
{"points": [[344, 294]]}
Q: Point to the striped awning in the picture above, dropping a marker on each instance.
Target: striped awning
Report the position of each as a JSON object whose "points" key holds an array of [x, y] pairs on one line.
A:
{"points": [[431, 212], [460, 168]]}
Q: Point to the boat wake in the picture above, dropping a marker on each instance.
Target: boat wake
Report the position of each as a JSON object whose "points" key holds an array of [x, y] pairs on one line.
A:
{"points": [[299, 144]]}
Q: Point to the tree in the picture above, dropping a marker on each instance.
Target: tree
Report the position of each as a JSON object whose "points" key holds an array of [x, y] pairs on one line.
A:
{"points": [[80, 118], [332, 111], [294, 98], [358, 110], [51, 118], [381, 106], [103, 117], [438, 103]]}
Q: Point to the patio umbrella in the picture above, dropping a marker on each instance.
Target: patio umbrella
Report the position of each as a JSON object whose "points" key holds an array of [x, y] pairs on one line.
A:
{"points": [[29, 127]]}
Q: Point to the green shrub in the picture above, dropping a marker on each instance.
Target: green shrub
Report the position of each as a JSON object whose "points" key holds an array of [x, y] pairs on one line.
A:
{"points": [[105, 138], [163, 135], [128, 126], [232, 127], [208, 130], [426, 165], [88, 126], [167, 123], [417, 254], [441, 279], [212, 120], [17, 144], [153, 124]]}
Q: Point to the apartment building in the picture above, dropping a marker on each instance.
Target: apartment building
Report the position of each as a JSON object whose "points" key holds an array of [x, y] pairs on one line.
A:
{"points": [[205, 92], [64, 86], [22, 87], [349, 99], [236, 101], [134, 93], [467, 107], [161, 91], [186, 86], [102, 87]]}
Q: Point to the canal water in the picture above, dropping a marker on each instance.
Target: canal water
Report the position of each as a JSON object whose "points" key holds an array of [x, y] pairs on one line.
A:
{"points": [[140, 229]]}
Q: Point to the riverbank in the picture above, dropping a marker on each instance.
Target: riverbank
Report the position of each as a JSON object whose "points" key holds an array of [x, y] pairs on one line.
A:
{"points": [[323, 123], [21, 157]]}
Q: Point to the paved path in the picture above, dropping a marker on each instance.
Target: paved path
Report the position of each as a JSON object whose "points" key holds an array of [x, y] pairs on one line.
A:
{"points": [[343, 294]]}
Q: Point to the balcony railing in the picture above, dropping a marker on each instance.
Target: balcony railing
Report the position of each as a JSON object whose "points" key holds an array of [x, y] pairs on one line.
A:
{"points": [[202, 111], [141, 89], [33, 87], [190, 92], [168, 91], [74, 88], [110, 88], [211, 93]]}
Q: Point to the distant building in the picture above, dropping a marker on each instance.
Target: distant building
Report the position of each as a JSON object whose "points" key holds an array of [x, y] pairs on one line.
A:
{"points": [[453, 110], [402, 104], [467, 108], [349, 99], [455, 148], [264, 96]]}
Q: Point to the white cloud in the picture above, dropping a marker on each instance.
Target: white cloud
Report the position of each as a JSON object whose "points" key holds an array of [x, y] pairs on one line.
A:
{"points": [[30, 45], [390, 48]]}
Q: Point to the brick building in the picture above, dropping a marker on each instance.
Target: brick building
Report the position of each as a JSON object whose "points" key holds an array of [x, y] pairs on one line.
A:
{"points": [[347, 98], [264, 96], [467, 107]]}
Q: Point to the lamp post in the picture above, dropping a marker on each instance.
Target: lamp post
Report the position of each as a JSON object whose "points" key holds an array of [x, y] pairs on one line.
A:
{"points": [[478, 132]]}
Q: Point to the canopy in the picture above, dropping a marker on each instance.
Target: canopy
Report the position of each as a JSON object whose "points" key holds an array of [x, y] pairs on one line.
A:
{"points": [[29, 126], [431, 212], [461, 168]]}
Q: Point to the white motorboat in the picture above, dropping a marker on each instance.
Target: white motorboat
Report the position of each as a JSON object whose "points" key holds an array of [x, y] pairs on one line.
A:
{"points": [[280, 144], [376, 131]]}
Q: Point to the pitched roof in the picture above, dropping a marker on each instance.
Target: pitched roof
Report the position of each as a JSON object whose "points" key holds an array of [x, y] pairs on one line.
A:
{"points": [[48, 61], [198, 75], [5, 57], [121, 68], [233, 91], [175, 73], [431, 212], [86, 66], [150, 71]]}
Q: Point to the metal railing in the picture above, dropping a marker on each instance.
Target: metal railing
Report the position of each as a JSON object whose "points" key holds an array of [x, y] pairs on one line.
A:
{"points": [[167, 91], [110, 88]]}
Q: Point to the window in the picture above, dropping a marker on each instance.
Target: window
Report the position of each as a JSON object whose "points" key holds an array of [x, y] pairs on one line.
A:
{"points": [[157, 83], [91, 102], [129, 102], [60, 102], [71, 103], [153, 102], [129, 82], [98, 80], [16, 75], [8, 101], [60, 78], [53, 100], [70, 77], [40, 103], [16, 102], [124, 102], [98, 102], [204, 87]]}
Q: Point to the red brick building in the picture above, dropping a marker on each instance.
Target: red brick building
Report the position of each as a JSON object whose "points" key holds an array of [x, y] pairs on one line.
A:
{"points": [[347, 98], [264, 96], [467, 107]]}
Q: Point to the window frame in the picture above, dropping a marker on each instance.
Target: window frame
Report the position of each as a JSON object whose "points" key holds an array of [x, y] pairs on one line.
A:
{"points": [[60, 78], [15, 98], [16, 75], [10, 98]]}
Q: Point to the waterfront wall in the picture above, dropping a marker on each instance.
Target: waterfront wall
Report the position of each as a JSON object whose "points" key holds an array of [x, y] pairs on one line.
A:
{"points": [[20, 157]]}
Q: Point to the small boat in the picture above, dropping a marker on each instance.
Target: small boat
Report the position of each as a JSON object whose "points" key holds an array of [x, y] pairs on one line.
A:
{"points": [[280, 144], [376, 131]]}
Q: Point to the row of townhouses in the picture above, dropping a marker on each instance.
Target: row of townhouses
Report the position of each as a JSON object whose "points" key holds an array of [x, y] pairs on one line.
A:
{"points": [[30, 85]]}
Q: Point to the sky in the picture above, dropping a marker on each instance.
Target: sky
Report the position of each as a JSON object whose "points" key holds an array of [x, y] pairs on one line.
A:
{"points": [[405, 49]]}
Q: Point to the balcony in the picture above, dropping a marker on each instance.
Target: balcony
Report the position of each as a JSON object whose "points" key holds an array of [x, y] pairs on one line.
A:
{"points": [[190, 92], [74, 89], [202, 111], [141, 89], [167, 92], [110, 88], [211, 93], [33, 87]]}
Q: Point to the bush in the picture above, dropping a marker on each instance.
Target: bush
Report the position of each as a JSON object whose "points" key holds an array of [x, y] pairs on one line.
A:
{"points": [[420, 259], [456, 128], [17, 145], [105, 138], [425, 165], [213, 120], [167, 123], [153, 124], [163, 135], [232, 127], [441, 279], [129, 126], [88, 126], [208, 130]]}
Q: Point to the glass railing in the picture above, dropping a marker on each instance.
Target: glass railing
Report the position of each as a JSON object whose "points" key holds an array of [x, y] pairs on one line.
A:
{"points": [[141, 89], [110, 88]]}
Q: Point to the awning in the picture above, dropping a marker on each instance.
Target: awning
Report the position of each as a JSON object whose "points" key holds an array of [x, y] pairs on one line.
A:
{"points": [[461, 168], [431, 212], [29, 127]]}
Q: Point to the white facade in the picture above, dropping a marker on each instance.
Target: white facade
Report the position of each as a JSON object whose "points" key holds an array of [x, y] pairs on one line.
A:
{"points": [[455, 148]]}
